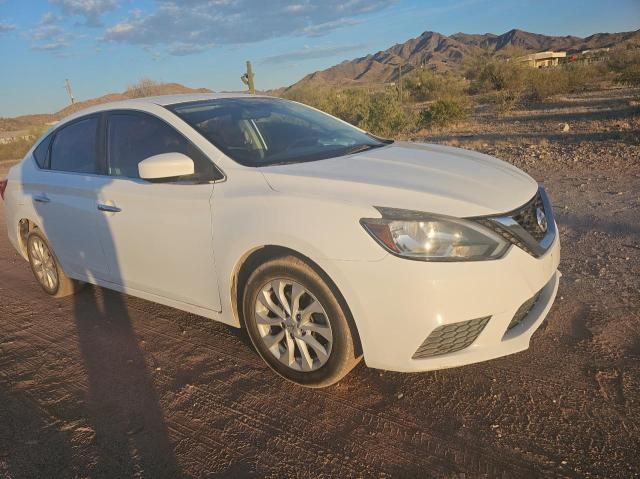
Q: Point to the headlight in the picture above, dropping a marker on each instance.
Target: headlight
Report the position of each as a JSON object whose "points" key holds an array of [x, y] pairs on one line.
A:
{"points": [[428, 237]]}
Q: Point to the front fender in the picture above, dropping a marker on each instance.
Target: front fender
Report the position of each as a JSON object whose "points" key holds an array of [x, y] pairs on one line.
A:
{"points": [[247, 215]]}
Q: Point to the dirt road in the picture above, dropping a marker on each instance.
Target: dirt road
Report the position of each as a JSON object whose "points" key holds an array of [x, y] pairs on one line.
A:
{"points": [[106, 385]]}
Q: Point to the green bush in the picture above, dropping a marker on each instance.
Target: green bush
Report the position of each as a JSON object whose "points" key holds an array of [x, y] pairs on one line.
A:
{"points": [[491, 74], [630, 75], [386, 116], [541, 83], [625, 63], [427, 85], [377, 111], [506, 84], [444, 111], [503, 101], [308, 93]]}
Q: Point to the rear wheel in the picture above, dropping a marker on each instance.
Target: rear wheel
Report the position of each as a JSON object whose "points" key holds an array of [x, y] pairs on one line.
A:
{"points": [[46, 268], [297, 324]]}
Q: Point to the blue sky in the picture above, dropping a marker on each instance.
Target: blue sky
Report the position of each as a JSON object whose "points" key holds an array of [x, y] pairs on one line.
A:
{"points": [[104, 45]]}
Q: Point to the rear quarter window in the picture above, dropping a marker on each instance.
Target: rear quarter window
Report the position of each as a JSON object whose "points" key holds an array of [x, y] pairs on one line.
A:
{"points": [[41, 153]]}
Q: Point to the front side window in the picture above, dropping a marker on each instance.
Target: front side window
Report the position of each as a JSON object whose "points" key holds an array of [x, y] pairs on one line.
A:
{"points": [[132, 138], [74, 147], [266, 131]]}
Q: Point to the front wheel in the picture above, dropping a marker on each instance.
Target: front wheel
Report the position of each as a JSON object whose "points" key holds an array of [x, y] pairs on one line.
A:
{"points": [[296, 323]]}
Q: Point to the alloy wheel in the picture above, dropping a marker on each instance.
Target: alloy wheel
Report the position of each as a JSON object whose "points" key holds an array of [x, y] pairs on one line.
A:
{"points": [[293, 325], [44, 265]]}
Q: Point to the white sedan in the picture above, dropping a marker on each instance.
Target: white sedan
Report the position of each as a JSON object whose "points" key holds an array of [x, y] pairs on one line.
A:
{"points": [[326, 243]]}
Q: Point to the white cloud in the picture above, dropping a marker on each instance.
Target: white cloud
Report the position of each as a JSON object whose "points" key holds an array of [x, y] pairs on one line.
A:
{"points": [[49, 18], [296, 7], [91, 10], [191, 26], [323, 28], [56, 45], [183, 49], [46, 32], [311, 53], [121, 29], [6, 27], [48, 35]]}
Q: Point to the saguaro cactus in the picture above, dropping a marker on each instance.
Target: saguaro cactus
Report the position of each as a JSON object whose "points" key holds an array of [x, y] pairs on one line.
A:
{"points": [[247, 78]]}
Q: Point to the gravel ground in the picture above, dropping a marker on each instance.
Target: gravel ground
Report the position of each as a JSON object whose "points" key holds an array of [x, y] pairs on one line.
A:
{"points": [[106, 385]]}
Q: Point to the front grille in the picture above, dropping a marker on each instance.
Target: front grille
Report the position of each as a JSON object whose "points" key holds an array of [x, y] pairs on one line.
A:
{"points": [[526, 217], [506, 234], [451, 337], [520, 227], [523, 311]]}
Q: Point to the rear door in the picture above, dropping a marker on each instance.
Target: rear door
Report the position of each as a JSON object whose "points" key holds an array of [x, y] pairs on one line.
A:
{"points": [[64, 193], [157, 236]]}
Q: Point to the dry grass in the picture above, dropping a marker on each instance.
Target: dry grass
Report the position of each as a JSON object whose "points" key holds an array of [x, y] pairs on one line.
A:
{"points": [[16, 149]]}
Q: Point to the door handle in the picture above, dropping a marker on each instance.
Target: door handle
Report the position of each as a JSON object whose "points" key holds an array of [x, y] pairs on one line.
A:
{"points": [[109, 208], [41, 199]]}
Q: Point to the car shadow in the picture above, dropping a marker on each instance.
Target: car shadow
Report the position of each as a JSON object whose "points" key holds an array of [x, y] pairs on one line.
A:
{"points": [[122, 404], [28, 443]]}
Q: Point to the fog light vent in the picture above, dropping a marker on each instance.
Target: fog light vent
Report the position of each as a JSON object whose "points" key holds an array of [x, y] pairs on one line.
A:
{"points": [[451, 337], [523, 311]]}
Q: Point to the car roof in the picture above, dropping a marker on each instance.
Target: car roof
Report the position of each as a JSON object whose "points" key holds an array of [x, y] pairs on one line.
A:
{"points": [[165, 100], [162, 100]]}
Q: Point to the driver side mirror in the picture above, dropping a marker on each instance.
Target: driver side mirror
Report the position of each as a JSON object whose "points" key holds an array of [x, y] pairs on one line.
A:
{"points": [[165, 165]]}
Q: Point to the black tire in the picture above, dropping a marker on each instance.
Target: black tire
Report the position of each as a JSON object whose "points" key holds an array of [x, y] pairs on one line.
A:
{"points": [[342, 357], [64, 286]]}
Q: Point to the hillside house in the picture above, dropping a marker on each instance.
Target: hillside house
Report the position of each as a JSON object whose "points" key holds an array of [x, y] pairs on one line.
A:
{"points": [[542, 59]]}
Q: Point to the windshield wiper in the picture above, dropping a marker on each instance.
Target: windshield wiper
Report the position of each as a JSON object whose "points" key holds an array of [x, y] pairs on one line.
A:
{"points": [[359, 148]]}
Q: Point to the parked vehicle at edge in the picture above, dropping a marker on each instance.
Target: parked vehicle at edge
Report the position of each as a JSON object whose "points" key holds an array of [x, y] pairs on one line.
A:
{"points": [[326, 243]]}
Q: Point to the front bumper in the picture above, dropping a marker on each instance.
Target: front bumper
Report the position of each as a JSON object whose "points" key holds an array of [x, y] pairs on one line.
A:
{"points": [[397, 304]]}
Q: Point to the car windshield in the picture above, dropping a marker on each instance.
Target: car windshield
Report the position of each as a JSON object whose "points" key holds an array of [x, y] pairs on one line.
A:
{"points": [[267, 131]]}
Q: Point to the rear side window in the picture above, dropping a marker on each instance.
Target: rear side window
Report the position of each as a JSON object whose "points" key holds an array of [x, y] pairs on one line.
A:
{"points": [[42, 151], [133, 138], [74, 147]]}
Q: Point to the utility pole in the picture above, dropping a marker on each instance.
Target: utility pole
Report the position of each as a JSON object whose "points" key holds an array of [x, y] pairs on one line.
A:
{"points": [[69, 92], [247, 78], [400, 82]]}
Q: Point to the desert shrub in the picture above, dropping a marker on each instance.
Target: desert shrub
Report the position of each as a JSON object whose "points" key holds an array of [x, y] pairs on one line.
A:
{"points": [[18, 147], [491, 74], [630, 75], [311, 94], [15, 149], [501, 82], [377, 111], [444, 111], [351, 105], [506, 83], [582, 77], [426, 85], [625, 63], [144, 87], [387, 116], [541, 83], [503, 101]]}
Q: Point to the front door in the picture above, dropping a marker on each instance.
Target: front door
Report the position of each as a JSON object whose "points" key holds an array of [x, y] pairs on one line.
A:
{"points": [[157, 237]]}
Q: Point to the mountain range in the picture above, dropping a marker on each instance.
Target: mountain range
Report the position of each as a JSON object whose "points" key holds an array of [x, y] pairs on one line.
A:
{"points": [[443, 52]]}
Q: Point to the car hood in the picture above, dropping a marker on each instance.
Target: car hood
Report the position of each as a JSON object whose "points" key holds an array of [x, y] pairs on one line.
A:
{"points": [[423, 177]]}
